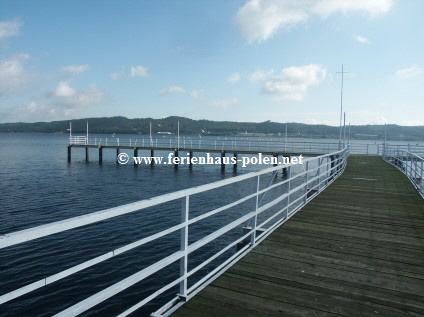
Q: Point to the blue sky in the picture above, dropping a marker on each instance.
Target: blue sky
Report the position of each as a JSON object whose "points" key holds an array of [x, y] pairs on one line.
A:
{"points": [[250, 60]]}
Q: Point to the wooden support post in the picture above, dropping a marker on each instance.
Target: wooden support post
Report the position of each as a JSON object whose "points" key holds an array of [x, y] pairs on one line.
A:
{"points": [[191, 157], [87, 153], [222, 161], [135, 155], [118, 151], [275, 155], [152, 153], [100, 154], [235, 165], [69, 153], [176, 155]]}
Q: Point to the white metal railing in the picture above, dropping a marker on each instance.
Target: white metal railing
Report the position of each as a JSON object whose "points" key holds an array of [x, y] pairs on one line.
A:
{"points": [[227, 144], [79, 140], [242, 144], [411, 164], [293, 192]]}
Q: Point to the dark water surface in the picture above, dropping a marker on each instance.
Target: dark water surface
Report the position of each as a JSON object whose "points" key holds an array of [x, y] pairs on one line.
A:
{"points": [[38, 186]]}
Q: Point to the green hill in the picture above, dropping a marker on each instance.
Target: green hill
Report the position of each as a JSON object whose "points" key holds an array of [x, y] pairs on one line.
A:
{"points": [[195, 127]]}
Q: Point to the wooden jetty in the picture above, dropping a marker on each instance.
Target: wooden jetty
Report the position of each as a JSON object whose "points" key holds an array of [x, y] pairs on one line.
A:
{"points": [[357, 249], [343, 239], [190, 151], [181, 149]]}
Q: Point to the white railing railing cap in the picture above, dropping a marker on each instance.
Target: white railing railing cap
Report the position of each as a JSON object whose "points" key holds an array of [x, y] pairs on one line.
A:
{"points": [[17, 237], [397, 149]]}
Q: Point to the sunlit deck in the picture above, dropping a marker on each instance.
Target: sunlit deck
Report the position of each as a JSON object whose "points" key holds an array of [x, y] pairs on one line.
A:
{"points": [[355, 250]]}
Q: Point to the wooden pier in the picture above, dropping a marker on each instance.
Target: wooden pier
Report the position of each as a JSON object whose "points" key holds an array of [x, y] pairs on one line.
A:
{"points": [[150, 151], [357, 249]]}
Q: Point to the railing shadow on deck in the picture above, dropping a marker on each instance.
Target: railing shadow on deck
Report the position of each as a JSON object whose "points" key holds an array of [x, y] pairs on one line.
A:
{"points": [[295, 190]]}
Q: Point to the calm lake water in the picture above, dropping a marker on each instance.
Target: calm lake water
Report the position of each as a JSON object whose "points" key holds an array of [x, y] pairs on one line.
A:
{"points": [[38, 186]]}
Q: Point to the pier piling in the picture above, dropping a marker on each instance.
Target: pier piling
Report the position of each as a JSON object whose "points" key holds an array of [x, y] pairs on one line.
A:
{"points": [[191, 157], [87, 153], [135, 154], [69, 153], [100, 154], [176, 155]]}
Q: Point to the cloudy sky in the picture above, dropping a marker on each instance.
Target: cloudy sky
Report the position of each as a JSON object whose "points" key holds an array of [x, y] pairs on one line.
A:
{"points": [[240, 60]]}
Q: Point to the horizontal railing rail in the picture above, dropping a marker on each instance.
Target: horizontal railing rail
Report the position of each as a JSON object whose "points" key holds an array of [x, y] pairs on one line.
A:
{"points": [[241, 144], [411, 164], [78, 140], [209, 144], [295, 190]]}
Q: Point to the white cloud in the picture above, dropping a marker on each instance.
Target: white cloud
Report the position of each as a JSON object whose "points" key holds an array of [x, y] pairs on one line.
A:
{"points": [[64, 101], [13, 77], [317, 122], [75, 69], [139, 71], [380, 120], [195, 94], [70, 97], [64, 90], [409, 72], [412, 122], [224, 103], [10, 28], [115, 76], [293, 82], [33, 111], [260, 74], [233, 78], [172, 90], [361, 39], [86, 98], [258, 20]]}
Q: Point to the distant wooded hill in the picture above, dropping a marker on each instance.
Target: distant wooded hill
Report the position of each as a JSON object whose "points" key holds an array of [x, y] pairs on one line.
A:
{"points": [[207, 127]]}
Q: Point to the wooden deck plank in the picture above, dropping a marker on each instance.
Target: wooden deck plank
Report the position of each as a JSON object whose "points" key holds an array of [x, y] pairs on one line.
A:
{"points": [[356, 250]]}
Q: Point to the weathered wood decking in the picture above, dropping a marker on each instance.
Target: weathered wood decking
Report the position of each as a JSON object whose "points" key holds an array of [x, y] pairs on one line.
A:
{"points": [[355, 250]]}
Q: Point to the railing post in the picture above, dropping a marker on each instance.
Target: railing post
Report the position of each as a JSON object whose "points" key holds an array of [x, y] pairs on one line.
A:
{"points": [[184, 246], [319, 174], [255, 218], [288, 189], [416, 170], [406, 167], [305, 198]]}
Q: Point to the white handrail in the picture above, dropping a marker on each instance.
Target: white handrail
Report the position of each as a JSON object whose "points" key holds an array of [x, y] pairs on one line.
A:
{"points": [[312, 181], [247, 144], [411, 164]]}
